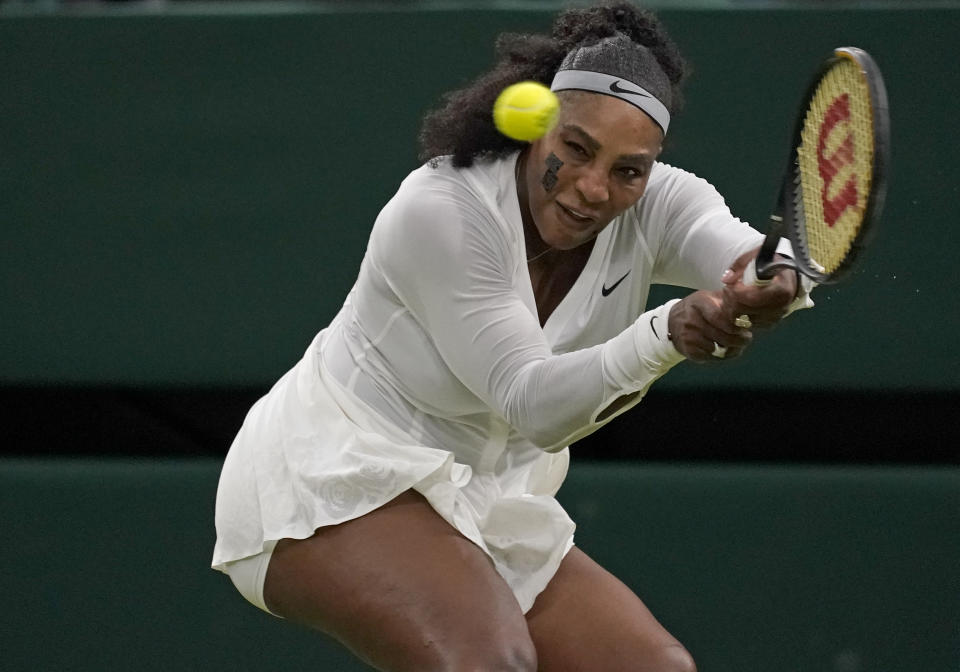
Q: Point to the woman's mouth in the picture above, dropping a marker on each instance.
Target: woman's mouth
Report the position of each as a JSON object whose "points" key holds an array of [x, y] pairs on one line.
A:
{"points": [[576, 215]]}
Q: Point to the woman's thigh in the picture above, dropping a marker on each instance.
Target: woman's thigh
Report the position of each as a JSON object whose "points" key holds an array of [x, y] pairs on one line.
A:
{"points": [[587, 619], [403, 590]]}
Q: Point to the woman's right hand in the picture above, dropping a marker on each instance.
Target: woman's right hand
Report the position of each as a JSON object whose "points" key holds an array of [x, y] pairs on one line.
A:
{"points": [[698, 325]]}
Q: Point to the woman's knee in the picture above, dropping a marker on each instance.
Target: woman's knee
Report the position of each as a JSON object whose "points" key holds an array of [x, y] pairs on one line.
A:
{"points": [[675, 658], [474, 652], [643, 657], [513, 653], [518, 659], [516, 654]]}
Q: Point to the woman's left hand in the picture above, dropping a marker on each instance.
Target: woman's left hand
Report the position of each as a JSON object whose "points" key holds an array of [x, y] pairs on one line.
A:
{"points": [[764, 305]]}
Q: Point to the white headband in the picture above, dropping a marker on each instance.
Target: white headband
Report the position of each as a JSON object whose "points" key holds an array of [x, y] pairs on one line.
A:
{"points": [[598, 82]]}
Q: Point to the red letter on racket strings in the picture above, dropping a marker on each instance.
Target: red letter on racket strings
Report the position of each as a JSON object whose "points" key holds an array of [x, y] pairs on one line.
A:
{"points": [[833, 208]]}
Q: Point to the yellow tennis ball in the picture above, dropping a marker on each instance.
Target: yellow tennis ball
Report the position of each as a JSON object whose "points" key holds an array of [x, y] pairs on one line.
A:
{"points": [[525, 111]]}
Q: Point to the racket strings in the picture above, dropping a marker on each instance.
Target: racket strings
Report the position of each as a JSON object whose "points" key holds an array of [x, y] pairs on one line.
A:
{"points": [[834, 165]]}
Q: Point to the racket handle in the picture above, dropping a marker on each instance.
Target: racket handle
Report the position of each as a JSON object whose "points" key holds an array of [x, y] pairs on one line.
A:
{"points": [[750, 276]]}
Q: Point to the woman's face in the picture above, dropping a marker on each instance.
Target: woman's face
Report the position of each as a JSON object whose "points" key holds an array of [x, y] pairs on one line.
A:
{"points": [[591, 167]]}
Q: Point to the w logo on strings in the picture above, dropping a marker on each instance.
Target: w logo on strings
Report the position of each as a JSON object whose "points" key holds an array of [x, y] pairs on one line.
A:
{"points": [[835, 159]]}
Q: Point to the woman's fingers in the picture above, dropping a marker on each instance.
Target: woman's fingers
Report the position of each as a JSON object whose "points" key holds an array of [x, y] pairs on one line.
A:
{"points": [[701, 331]]}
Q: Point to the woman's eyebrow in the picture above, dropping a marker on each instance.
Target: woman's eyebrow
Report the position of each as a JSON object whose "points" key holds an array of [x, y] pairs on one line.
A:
{"points": [[587, 139], [594, 145]]}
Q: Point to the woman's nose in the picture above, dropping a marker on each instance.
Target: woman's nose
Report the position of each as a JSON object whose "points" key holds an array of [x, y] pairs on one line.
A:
{"points": [[592, 185]]}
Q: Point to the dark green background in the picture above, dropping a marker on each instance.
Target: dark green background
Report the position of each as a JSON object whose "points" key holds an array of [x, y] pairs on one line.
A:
{"points": [[186, 196], [753, 568]]}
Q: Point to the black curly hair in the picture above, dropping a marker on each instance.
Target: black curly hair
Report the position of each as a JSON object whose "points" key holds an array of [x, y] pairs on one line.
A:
{"points": [[463, 125]]}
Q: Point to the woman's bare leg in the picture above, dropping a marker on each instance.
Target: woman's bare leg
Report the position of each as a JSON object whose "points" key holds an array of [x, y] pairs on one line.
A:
{"points": [[587, 620], [403, 590]]}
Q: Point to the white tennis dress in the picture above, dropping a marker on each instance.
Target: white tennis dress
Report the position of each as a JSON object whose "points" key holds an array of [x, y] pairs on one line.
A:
{"points": [[437, 376]]}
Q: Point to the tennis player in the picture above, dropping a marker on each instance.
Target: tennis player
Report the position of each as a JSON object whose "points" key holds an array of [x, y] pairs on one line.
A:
{"points": [[395, 489]]}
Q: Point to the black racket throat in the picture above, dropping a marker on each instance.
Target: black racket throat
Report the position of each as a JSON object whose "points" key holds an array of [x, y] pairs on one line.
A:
{"points": [[768, 265]]}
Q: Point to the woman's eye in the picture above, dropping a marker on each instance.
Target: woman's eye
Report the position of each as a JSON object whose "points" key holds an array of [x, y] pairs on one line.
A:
{"points": [[631, 173], [577, 149]]}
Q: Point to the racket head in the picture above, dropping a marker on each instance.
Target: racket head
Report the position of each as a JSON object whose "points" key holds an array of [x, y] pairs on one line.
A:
{"points": [[836, 186]]}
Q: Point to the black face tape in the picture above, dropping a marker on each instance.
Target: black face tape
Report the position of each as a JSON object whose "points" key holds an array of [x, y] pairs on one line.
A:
{"points": [[550, 176]]}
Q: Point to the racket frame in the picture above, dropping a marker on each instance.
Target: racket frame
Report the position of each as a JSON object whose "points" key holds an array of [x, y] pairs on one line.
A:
{"points": [[786, 219]]}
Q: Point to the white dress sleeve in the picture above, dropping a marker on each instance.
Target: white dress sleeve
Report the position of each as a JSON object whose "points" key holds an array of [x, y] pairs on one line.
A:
{"points": [[701, 238], [451, 265]]}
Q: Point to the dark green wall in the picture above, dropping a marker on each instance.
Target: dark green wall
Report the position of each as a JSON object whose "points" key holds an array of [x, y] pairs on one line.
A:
{"points": [[106, 567], [185, 199]]}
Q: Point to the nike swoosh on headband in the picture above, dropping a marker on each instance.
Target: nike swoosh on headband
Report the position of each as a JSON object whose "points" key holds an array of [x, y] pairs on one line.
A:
{"points": [[616, 88], [611, 85]]}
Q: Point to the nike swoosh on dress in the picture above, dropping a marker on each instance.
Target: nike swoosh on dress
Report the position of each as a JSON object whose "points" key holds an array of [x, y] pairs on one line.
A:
{"points": [[605, 291]]}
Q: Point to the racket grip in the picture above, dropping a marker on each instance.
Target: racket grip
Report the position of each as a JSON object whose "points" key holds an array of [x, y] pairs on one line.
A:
{"points": [[750, 276]]}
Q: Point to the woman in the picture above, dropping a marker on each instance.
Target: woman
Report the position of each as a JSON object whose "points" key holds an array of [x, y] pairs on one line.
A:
{"points": [[395, 489]]}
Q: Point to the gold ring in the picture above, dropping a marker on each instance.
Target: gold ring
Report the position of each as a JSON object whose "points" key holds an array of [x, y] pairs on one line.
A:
{"points": [[718, 351], [743, 322]]}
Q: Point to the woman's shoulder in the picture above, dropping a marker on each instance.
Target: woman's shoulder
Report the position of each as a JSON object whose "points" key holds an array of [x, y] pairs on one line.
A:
{"points": [[440, 202], [485, 177], [673, 191], [666, 179], [438, 188], [676, 200]]}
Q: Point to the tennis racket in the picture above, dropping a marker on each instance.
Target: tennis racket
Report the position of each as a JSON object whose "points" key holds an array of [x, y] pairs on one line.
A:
{"points": [[835, 183]]}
